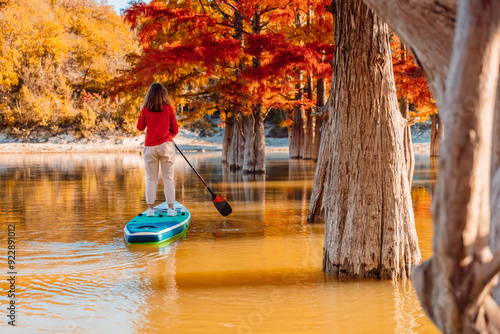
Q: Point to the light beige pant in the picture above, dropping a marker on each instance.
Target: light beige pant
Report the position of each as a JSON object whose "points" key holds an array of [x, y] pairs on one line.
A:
{"points": [[154, 156]]}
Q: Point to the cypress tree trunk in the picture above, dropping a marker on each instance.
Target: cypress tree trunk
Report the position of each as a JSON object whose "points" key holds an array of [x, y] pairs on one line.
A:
{"points": [[495, 186], [459, 52], [309, 130], [322, 169], [436, 134], [322, 161], [454, 285], [228, 136], [320, 102], [228, 154], [370, 230], [255, 145], [408, 143], [297, 132], [298, 128], [237, 147], [404, 108], [254, 160]]}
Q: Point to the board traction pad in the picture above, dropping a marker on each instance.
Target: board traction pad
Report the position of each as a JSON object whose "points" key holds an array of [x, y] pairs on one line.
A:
{"points": [[160, 228]]}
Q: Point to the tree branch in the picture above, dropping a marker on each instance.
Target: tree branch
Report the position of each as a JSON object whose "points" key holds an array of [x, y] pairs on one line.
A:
{"points": [[495, 159], [488, 271], [203, 7], [223, 13], [269, 109], [266, 25], [263, 25], [492, 311], [236, 9], [428, 26], [268, 9], [225, 25], [231, 5], [288, 98], [412, 120]]}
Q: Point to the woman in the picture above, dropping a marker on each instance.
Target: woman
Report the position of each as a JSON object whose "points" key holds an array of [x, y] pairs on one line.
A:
{"points": [[158, 116]]}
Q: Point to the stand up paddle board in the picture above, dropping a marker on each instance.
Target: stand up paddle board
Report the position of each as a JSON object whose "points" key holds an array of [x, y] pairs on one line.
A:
{"points": [[151, 230]]}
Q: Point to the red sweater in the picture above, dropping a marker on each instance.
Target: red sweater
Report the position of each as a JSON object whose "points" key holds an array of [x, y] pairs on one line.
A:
{"points": [[162, 126]]}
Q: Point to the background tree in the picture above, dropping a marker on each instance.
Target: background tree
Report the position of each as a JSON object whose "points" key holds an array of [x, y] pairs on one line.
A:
{"points": [[245, 80], [370, 230], [461, 65], [311, 24], [56, 59], [412, 89]]}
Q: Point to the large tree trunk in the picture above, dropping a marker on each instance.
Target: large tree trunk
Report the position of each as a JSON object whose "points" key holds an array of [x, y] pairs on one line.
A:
{"points": [[454, 285], [320, 102], [298, 128], [320, 145], [254, 158], [460, 269], [436, 134], [309, 129], [255, 145], [237, 146], [228, 136], [228, 154], [404, 108], [495, 186], [495, 157], [407, 141], [370, 229], [322, 168]]}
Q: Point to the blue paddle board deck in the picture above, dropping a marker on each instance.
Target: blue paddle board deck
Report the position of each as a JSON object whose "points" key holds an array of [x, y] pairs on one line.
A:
{"points": [[151, 230]]}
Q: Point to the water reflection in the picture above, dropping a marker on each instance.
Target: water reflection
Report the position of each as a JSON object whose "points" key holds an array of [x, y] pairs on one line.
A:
{"points": [[258, 270], [424, 180]]}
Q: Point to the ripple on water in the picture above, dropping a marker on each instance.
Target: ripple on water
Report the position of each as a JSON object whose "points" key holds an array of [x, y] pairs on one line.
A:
{"points": [[258, 270]]}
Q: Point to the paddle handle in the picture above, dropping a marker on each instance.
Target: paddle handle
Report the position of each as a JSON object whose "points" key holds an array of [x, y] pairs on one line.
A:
{"points": [[206, 185]]}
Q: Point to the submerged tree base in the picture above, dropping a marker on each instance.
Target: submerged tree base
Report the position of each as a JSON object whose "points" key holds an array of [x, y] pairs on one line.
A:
{"points": [[370, 229]]}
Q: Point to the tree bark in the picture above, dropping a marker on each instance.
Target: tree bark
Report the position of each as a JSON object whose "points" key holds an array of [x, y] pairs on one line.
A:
{"points": [[237, 146], [255, 145], [404, 108], [436, 134], [228, 154], [407, 141], [320, 102], [322, 169], [426, 27], [454, 285], [495, 158], [495, 186], [370, 230], [298, 128], [228, 136], [254, 159], [309, 128], [322, 161]]}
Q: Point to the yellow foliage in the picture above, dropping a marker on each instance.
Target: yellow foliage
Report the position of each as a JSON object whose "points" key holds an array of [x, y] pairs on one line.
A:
{"points": [[86, 117], [58, 49]]}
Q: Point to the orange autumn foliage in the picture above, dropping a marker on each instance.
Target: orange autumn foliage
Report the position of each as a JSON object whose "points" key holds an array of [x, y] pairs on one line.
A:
{"points": [[410, 82], [194, 49]]}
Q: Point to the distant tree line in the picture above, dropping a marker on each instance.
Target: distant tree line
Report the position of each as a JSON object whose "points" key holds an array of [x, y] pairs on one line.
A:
{"points": [[56, 59]]}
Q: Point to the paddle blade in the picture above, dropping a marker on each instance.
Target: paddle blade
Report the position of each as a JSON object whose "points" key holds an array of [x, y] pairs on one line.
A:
{"points": [[222, 206]]}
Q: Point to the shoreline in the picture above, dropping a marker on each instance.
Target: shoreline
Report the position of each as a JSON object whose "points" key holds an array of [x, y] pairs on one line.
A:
{"points": [[186, 140], [103, 147]]}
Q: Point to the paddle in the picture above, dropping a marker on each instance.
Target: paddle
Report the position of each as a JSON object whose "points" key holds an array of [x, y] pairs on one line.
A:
{"points": [[220, 203]]}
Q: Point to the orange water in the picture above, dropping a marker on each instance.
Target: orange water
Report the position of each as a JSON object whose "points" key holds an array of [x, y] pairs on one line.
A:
{"points": [[257, 271]]}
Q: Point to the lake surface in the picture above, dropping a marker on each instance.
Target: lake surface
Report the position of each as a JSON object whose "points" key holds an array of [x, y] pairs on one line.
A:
{"points": [[257, 271]]}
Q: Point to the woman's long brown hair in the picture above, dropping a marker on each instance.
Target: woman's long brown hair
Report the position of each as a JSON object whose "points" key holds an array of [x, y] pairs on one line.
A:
{"points": [[156, 98]]}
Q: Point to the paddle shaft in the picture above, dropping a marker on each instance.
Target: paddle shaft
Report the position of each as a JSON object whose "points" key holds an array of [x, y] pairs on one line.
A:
{"points": [[206, 185]]}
